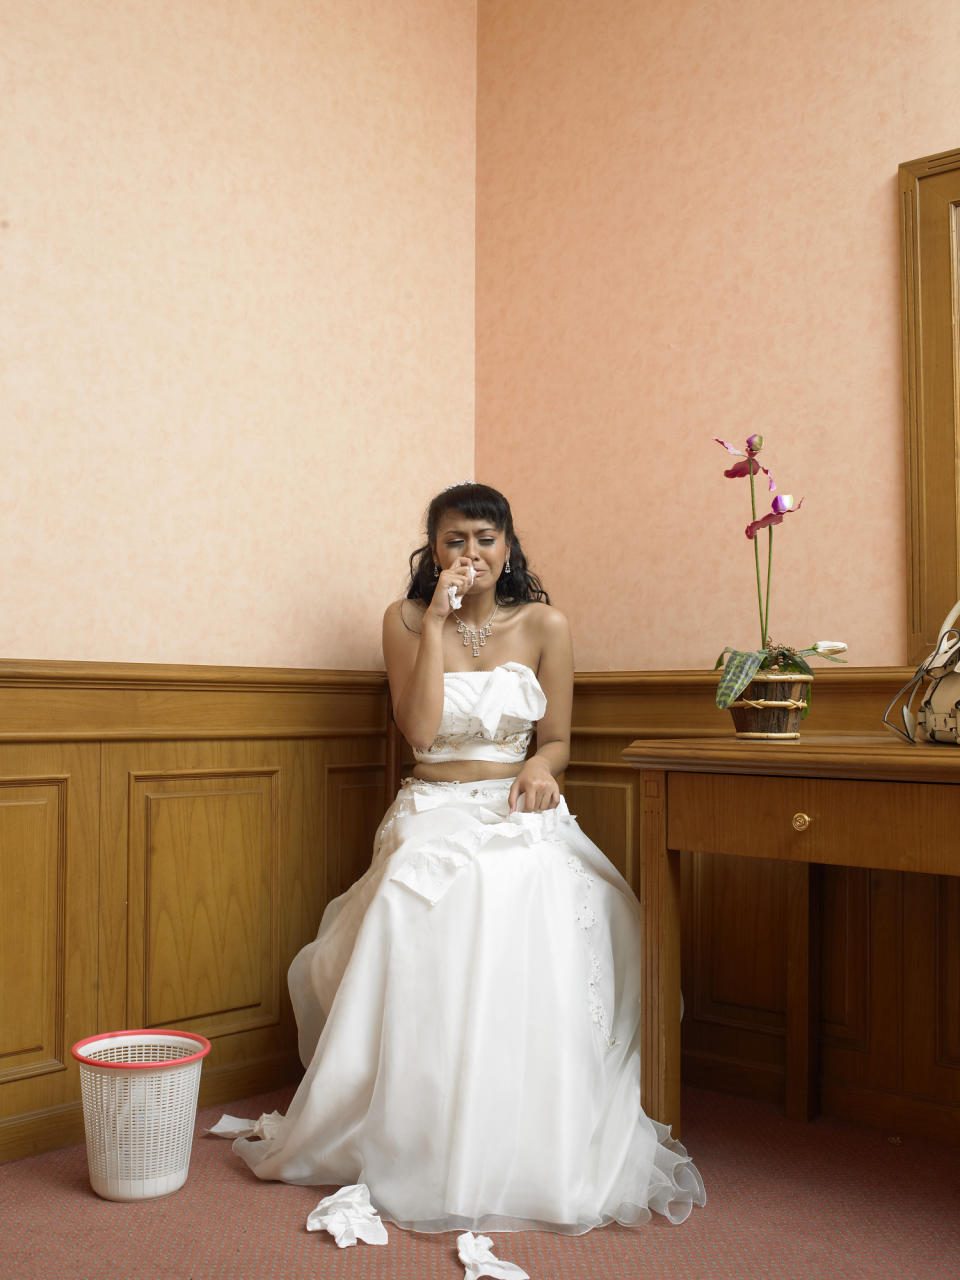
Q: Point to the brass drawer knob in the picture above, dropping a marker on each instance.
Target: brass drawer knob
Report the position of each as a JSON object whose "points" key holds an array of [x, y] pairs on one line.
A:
{"points": [[800, 822]]}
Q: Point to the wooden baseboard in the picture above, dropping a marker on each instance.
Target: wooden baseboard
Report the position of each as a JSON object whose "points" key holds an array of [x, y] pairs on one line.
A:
{"points": [[745, 1079], [899, 1115], [38, 1131], [244, 1079], [35, 1131]]}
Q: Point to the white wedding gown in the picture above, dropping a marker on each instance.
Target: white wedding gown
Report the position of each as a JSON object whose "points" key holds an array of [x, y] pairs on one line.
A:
{"points": [[469, 1013]]}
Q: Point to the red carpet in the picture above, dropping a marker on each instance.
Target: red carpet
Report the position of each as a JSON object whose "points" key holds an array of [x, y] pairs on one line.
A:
{"points": [[826, 1201]]}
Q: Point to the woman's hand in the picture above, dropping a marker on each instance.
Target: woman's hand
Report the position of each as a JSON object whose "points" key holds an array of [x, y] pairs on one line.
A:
{"points": [[457, 575], [537, 785]]}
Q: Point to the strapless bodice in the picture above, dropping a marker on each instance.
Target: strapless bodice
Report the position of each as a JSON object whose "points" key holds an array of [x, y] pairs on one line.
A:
{"points": [[487, 715]]}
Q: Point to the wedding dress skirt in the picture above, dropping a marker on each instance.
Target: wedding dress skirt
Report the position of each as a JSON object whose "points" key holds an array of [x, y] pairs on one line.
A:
{"points": [[469, 1016]]}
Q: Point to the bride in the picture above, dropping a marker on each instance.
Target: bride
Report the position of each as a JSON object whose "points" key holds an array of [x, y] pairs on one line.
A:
{"points": [[469, 1011]]}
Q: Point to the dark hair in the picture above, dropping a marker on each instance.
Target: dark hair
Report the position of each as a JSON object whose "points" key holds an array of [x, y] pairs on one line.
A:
{"points": [[475, 502]]}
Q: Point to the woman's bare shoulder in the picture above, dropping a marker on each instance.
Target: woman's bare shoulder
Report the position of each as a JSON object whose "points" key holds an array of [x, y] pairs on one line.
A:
{"points": [[544, 620], [546, 633], [405, 614]]}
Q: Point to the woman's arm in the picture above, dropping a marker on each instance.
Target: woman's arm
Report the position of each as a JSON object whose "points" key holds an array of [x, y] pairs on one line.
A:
{"points": [[537, 780], [415, 671], [415, 662]]}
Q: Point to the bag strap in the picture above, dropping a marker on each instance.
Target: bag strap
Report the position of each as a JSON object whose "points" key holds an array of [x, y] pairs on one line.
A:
{"points": [[909, 730], [945, 654], [948, 622]]}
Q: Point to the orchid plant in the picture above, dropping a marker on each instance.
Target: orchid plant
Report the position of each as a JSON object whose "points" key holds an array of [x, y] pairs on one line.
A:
{"points": [[741, 665]]}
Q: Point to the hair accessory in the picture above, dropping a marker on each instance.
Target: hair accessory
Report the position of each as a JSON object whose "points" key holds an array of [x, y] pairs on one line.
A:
{"points": [[458, 485], [477, 636]]}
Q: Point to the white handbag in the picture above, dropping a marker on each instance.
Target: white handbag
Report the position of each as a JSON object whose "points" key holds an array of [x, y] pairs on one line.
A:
{"points": [[938, 716]]}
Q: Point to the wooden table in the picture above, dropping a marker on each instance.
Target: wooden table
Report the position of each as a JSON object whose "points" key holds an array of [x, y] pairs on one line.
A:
{"points": [[864, 800]]}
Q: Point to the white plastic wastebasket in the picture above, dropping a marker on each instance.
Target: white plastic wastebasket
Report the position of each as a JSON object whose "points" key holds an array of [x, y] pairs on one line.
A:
{"points": [[139, 1092]]}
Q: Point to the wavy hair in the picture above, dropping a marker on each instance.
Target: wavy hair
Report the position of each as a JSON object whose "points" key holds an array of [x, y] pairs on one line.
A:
{"points": [[475, 502]]}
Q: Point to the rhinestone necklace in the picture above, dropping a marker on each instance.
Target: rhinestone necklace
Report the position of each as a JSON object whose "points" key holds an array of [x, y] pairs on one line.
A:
{"points": [[477, 636]]}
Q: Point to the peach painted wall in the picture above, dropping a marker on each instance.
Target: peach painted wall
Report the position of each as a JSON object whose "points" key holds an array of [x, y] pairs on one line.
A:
{"points": [[687, 226], [238, 323]]}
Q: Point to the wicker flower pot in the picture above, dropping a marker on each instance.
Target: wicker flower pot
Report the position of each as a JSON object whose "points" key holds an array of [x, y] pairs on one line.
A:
{"points": [[770, 706]]}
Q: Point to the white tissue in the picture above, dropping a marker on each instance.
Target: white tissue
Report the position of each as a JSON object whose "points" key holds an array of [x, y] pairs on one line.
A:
{"points": [[238, 1127], [455, 600], [349, 1216], [478, 1260]]}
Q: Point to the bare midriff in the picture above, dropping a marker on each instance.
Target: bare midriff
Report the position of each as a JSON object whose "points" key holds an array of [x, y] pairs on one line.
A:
{"points": [[466, 770]]}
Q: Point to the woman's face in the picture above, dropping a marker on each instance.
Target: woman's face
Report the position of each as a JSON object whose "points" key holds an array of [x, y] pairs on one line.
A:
{"points": [[484, 545]]}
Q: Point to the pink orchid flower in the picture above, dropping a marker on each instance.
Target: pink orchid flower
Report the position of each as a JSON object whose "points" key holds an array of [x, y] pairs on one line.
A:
{"points": [[749, 465], [782, 505]]}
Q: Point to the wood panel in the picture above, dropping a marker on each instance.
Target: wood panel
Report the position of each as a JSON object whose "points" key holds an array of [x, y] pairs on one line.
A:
{"points": [[109, 702], [33, 946], [164, 843], [354, 804], [606, 801], [215, 872], [48, 939], [867, 956], [204, 875], [845, 977], [734, 974], [620, 706], [932, 1015]]}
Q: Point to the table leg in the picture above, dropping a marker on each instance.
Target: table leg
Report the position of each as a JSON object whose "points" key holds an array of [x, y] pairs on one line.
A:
{"points": [[660, 917]]}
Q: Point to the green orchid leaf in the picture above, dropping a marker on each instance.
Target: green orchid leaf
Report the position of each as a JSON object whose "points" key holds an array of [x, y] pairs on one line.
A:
{"points": [[723, 653], [830, 658], [806, 709], [796, 663], [742, 666]]}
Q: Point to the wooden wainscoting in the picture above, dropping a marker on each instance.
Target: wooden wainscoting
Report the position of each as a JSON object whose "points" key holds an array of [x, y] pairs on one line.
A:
{"points": [[169, 837], [890, 962]]}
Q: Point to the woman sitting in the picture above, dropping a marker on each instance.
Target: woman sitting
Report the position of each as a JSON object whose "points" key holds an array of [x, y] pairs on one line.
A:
{"points": [[469, 1012]]}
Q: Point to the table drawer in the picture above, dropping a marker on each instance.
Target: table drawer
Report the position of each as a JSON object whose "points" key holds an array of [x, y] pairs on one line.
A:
{"points": [[902, 826]]}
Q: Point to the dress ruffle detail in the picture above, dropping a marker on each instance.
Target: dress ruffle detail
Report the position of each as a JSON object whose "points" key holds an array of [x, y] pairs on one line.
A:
{"points": [[511, 693]]}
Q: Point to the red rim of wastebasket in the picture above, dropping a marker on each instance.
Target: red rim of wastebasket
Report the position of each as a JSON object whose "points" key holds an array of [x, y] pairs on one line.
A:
{"points": [[201, 1041]]}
